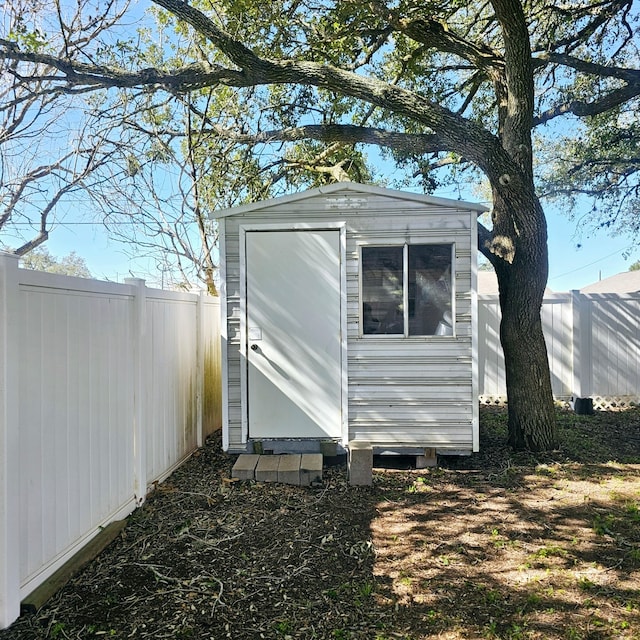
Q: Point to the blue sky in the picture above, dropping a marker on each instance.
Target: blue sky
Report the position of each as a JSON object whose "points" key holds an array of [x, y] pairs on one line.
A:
{"points": [[574, 261], [598, 255]]}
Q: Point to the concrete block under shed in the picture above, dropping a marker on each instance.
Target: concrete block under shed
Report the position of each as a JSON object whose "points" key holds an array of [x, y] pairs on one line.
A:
{"points": [[267, 469], [360, 463], [245, 466], [289, 469], [310, 468]]}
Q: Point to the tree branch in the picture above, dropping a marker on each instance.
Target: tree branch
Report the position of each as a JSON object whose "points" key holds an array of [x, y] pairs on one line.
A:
{"points": [[590, 68], [416, 144], [455, 132], [75, 74], [436, 36], [606, 12], [581, 108]]}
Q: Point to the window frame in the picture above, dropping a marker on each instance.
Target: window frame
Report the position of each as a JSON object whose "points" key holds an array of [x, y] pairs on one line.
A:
{"points": [[405, 290]]}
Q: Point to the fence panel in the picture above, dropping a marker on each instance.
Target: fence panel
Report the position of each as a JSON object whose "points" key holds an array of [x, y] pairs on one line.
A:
{"points": [[593, 343], [491, 376], [171, 326], [557, 325], [75, 404], [100, 395], [615, 345]]}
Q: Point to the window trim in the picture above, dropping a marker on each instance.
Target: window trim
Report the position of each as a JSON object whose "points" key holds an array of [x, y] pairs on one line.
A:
{"points": [[405, 290]]}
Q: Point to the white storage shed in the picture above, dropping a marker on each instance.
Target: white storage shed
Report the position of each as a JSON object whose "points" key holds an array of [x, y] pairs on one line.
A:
{"points": [[349, 315]]}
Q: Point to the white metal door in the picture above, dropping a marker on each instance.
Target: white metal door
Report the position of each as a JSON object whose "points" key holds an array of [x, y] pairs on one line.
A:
{"points": [[294, 378]]}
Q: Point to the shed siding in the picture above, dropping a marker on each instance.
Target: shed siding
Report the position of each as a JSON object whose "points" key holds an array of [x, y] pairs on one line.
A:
{"points": [[402, 392]]}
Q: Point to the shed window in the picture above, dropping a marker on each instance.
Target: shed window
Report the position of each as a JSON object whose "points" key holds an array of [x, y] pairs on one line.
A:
{"points": [[407, 290]]}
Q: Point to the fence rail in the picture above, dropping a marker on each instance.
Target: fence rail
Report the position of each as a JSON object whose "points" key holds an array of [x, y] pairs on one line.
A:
{"points": [[104, 389], [593, 343]]}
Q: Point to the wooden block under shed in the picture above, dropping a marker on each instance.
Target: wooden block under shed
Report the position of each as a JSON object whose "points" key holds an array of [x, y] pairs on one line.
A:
{"points": [[429, 459]]}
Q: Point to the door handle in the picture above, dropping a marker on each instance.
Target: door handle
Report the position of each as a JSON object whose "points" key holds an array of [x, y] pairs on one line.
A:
{"points": [[254, 347]]}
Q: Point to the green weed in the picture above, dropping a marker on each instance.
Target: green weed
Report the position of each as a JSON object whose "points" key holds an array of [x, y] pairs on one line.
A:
{"points": [[603, 524], [546, 552], [491, 630], [57, 630], [633, 511], [282, 627], [587, 585]]}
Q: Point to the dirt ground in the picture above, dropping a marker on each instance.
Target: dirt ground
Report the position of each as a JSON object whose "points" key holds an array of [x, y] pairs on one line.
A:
{"points": [[495, 545]]}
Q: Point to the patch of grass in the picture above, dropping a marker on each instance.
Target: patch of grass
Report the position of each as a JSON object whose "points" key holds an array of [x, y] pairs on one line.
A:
{"points": [[366, 589], [594, 438], [549, 551], [57, 630], [603, 523], [546, 470], [533, 601], [632, 510], [493, 597], [634, 555], [283, 627], [584, 584]]}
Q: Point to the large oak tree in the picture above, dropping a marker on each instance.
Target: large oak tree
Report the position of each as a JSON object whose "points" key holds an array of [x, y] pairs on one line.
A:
{"points": [[491, 85]]}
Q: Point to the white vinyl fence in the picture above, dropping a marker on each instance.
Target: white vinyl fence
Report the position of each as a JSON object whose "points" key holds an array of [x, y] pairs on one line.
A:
{"points": [[593, 342], [103, 391]]}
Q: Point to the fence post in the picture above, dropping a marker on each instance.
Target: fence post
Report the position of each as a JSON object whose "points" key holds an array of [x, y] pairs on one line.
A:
{"points": [[140, 426], [9, 442]]}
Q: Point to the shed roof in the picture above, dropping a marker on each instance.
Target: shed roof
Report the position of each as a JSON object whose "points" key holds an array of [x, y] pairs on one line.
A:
{"points": [[625, 282], [355, 188]]}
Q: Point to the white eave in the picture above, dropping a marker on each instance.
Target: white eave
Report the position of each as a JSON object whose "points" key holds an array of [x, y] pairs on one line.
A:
{"points": [[355, 188]]}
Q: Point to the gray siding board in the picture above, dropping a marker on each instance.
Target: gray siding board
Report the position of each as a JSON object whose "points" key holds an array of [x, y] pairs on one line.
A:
{"points": [[416, 391]]}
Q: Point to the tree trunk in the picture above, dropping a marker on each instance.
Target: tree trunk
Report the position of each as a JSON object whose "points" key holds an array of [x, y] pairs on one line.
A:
{"points": [[530, 399], [522, 281]]}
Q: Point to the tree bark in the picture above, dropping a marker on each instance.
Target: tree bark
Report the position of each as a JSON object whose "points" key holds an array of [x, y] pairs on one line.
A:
{"points": [[522, 282]]}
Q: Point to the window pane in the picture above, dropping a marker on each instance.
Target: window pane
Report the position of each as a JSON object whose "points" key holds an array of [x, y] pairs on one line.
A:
{"points": [[382, 284], [430, 290]]}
